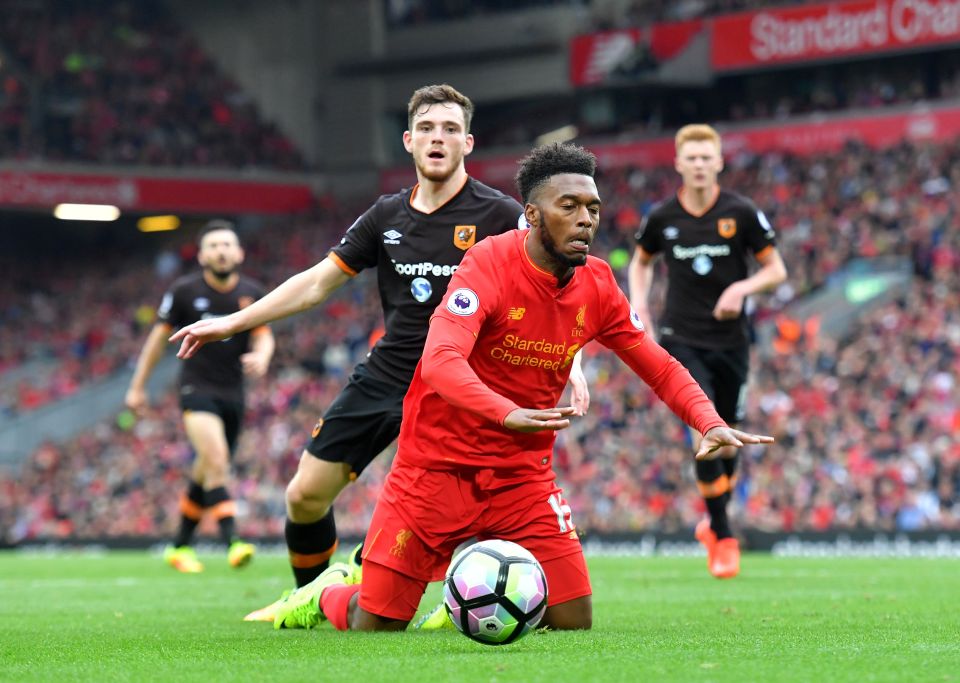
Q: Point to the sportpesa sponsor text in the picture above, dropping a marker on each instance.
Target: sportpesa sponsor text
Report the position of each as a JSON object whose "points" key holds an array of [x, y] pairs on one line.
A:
{"points": [[425, 268], [683, 253]]}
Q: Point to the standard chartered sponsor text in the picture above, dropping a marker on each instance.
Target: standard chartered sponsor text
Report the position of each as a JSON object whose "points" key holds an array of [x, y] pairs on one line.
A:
{"points": [[536, 353], [882, 26]]}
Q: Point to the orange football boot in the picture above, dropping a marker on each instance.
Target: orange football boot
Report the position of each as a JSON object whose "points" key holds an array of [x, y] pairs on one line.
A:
{"points": [[726, 558], [707, 538]]}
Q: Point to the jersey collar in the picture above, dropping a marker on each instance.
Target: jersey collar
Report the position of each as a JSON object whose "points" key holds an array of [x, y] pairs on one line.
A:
{"points": [[713, 202], [214, 285], [416, 188]]}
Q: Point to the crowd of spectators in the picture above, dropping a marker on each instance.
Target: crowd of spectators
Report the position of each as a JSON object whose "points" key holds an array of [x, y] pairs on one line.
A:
{"points": [[865, 424], [121, 82]]}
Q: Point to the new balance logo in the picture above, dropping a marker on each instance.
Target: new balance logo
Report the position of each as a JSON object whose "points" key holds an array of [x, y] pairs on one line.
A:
{"points": [[516, 313]]}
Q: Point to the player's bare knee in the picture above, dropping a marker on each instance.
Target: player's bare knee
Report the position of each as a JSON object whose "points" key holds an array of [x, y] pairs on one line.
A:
{"points": [[305, 505], [212, 468]]}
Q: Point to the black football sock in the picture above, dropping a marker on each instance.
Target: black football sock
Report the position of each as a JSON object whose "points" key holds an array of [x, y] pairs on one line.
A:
{"points": [[311, 546], [717, 507], [224, 510], [191, 511]]}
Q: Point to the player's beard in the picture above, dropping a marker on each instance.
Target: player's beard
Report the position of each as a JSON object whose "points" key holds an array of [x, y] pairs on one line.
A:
{"points": [[223, 273], [436, 176], [550, 246]]}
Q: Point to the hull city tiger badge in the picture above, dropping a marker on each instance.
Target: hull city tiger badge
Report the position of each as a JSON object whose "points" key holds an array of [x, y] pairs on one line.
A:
{"points": [[727, 227], [464, 236]]}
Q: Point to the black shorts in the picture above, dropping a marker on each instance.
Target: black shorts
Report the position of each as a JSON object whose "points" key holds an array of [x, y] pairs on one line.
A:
{"points": [[228, 410], [363, 420], [722, 373]]}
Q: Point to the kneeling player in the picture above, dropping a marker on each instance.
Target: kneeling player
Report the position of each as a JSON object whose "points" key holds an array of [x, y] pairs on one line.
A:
{"points": [[471, 462]]}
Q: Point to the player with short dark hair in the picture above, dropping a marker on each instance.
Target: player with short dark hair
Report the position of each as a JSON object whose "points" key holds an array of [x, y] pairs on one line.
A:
{"points": [[708, 236], [416, 240], [476, 445], [211, 386]]}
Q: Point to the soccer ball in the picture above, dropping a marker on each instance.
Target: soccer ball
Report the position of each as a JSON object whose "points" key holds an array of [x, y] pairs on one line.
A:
{"points": [[495, 592]]}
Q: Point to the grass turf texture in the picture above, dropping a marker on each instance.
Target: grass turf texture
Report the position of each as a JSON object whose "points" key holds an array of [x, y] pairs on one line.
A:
{"points": [[126, 616]]}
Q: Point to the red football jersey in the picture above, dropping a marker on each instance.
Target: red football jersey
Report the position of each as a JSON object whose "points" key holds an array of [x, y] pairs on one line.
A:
{"points": [[504, 338]]}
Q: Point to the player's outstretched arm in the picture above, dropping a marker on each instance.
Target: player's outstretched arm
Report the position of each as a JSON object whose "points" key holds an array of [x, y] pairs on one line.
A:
{"points": [[302, 291], [719, 437]]}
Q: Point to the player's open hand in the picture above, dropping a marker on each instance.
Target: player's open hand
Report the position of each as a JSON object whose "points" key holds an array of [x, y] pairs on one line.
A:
{"points": [[718, 437], [199, 333], [530, 420]]}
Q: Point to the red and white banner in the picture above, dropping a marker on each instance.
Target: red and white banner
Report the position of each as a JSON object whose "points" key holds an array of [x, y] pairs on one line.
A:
{"points": [[807, 137], [830, 30], [628, 53], [43, 190]]}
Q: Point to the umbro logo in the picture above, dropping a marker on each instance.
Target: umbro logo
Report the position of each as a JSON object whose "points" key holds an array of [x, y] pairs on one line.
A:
{"points": [[391, 236], [671, 232]]}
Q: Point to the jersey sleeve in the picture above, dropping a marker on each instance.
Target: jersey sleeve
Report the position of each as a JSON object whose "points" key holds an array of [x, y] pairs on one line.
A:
{"points": [[473, 292], [648, 236], [758, 232], [673, 384], [173, 308], [359, 248], [472, 297], [446, 369], [624, 334]]}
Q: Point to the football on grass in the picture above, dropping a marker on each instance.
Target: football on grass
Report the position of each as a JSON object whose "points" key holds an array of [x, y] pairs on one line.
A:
{"points": [[495, 592]]}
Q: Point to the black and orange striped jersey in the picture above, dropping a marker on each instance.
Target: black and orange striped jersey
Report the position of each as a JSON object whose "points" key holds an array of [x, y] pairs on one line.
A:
{"points": [[704, 254], [415, 255], [216, 369]]}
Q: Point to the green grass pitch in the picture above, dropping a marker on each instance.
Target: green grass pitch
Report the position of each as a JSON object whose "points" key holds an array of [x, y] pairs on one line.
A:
{"points": [[127, 617]]}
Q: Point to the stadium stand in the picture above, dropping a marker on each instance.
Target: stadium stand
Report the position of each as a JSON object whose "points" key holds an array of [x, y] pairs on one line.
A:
{"points": [[863, 423], [122, 83]]}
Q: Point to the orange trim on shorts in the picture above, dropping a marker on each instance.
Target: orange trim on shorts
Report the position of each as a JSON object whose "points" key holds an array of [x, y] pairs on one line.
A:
{"points": [[717, 487], [368, 545], [302, 561], [227, 508], [189, 509], [341, 265]]}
